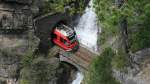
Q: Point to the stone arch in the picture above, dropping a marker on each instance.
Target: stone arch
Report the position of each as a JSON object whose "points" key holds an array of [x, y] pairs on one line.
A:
{"points": [[73, 64], [69, 60], [68, 71]]}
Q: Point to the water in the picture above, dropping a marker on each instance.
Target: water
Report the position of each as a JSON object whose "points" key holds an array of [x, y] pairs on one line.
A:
{"points": [[87, 32], [78, 79], [87, 28]]}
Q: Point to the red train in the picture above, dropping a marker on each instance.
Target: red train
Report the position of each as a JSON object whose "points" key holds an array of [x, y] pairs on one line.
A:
{"points": [[65, 37]]}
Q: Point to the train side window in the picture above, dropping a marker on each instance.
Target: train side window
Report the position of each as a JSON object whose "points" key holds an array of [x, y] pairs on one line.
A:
{"points": [[63, 41]]}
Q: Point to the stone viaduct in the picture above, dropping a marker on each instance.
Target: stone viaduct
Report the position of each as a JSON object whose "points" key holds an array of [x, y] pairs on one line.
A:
{"points": [[43, 26]]}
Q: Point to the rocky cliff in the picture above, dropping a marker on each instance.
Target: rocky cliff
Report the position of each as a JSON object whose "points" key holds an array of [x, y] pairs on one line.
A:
{"points": [[19, 61], [16, 37]]}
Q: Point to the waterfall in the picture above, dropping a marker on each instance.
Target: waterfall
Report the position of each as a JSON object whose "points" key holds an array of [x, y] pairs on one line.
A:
{"points": [[87, 30], [78, 79]]}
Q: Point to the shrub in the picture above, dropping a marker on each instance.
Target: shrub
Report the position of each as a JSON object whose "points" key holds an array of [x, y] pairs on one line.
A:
{"points": [[74, 6], [36, 70], [101, 70], [137, 14], [120, 60]]}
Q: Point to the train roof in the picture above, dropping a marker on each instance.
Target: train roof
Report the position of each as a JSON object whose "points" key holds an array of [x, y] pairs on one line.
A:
{"points": [[65, 30]]}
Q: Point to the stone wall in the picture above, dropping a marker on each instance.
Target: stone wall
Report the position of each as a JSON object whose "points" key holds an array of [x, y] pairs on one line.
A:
{"points": [[17, 38]]}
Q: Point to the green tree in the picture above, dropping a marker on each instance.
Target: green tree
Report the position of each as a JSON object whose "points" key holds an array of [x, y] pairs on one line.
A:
{"points": [[72, 6], [137, 15], [101, 70], [37, 70]]}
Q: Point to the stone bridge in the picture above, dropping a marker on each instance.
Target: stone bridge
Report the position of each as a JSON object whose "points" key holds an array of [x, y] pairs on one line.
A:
{"points": [[80, 59], [43, 26]]}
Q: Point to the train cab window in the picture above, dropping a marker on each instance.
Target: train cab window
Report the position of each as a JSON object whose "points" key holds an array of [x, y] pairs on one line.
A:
{"points": [[72, 38], [64, 41]]}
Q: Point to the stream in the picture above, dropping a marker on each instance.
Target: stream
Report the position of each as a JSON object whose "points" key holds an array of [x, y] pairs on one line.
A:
{"points": [[87, 32]]}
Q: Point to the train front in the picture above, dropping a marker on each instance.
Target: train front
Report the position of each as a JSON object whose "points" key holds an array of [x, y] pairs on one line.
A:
{"points": [[66, 38]]}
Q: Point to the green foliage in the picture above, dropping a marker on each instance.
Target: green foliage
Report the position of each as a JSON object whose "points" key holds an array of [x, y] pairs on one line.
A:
{"points": [[120, 60], [108, 16], [38, 73], [36, 70], [138, 17], [101, 70], [27, 59], [23, 81], [140, 37], [73, 6]]}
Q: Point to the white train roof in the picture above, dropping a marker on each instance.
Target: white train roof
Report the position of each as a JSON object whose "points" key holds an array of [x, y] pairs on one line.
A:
{"points": [[65, 30]]}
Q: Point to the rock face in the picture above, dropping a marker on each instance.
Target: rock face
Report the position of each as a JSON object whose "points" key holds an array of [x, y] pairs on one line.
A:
{"points": [[16, 37], [13, 47], [139, 72], [17, 16]]}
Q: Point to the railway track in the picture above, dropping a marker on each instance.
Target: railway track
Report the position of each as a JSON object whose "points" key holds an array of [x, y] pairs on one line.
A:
{"points": [[44, 26], [82, 58]]}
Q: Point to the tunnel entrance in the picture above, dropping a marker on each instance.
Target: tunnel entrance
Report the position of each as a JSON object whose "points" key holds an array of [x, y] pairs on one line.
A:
{"points": [[44, 27]]}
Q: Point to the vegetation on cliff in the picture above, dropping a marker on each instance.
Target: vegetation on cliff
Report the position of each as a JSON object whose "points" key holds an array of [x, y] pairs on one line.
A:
{"points": [[71, 6], [137, 14], [37, 70], [128, 20], [101, 69]]}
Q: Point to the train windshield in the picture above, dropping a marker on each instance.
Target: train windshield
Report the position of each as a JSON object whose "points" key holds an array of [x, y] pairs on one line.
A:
{"points": [[72, 38]]}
